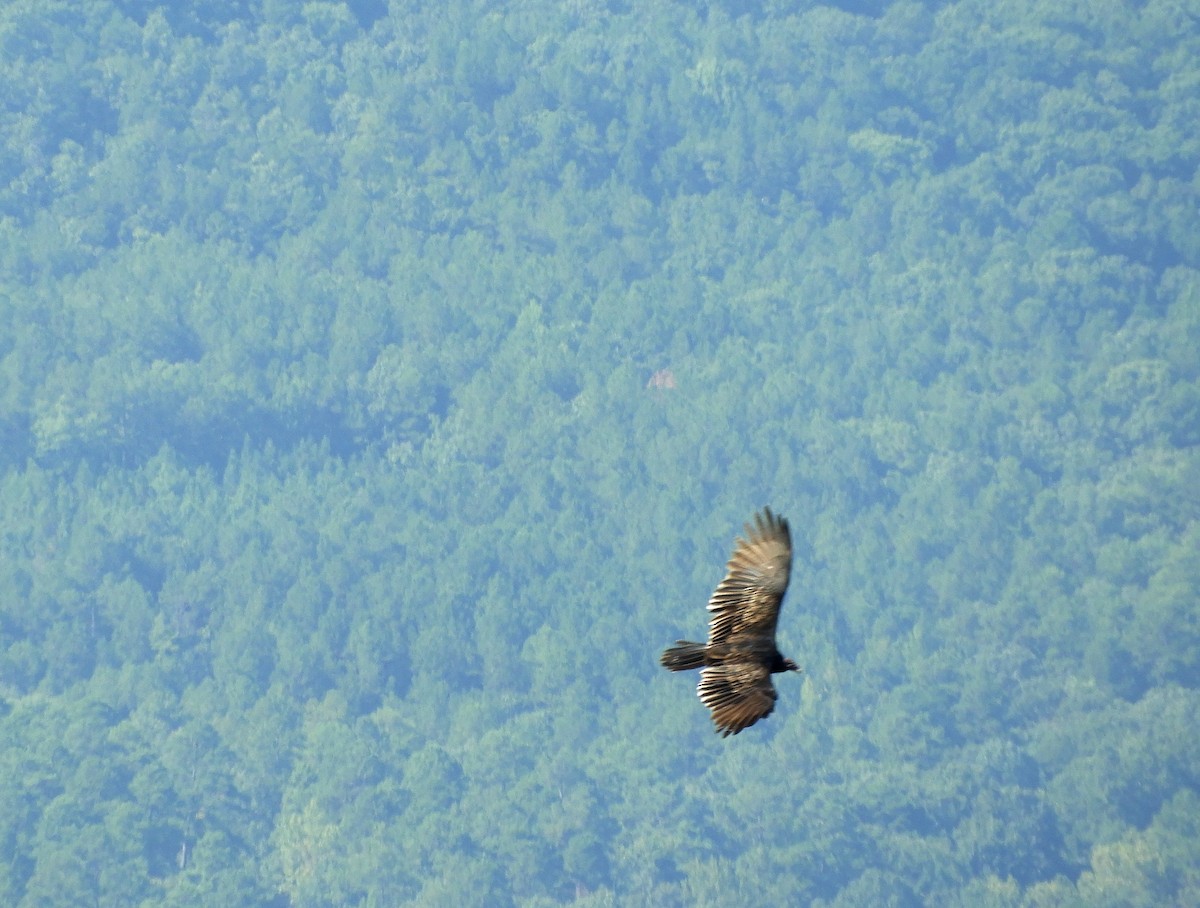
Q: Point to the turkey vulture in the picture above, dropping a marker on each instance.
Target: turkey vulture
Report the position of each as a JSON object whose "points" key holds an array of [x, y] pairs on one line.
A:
{"points": [[740, 655]]}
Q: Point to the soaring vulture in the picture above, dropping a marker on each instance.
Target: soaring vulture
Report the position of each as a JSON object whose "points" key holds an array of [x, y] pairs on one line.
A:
{"points": [[740, 655]]}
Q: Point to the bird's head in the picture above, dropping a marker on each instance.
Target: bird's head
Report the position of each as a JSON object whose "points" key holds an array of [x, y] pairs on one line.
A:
{"points": [[791, 666]]}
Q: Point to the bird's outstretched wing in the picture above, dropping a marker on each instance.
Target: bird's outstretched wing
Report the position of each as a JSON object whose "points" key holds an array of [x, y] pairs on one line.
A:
{"points": [[738, 694], [747, 600]]}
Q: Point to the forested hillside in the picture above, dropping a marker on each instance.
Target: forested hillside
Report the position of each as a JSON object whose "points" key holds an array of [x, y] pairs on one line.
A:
{"points": [[382, 386]]}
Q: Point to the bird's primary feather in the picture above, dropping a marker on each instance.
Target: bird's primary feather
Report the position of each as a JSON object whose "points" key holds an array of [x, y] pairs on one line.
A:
{"points": [[737, 693], [747, 601]]}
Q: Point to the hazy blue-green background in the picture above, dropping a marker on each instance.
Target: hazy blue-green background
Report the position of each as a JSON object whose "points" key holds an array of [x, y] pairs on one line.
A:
{"points": [[342, 517]]}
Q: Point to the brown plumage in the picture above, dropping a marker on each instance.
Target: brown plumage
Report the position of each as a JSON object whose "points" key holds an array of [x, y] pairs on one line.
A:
{"points": [[740, 655]]}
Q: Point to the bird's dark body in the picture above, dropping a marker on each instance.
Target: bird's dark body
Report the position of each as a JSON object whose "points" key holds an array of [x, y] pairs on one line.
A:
{"points": [[740, 655], [686, 654]]}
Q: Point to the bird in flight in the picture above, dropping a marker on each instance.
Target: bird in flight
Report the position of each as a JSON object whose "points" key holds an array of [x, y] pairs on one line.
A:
{"points": [[740, 656]]}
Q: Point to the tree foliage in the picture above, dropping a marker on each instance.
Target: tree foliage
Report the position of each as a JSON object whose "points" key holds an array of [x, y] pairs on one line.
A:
{"points": [[381, 386]]}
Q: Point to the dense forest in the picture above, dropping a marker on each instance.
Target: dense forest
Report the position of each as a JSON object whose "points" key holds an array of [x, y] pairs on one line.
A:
{"points": [[383, 384]]}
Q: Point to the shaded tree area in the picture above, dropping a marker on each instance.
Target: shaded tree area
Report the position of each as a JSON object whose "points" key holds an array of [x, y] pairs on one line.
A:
{"points": [[381, 387]]}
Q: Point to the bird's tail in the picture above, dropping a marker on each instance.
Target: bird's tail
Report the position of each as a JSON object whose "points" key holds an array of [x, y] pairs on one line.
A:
{"points": [[683, 655]]}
